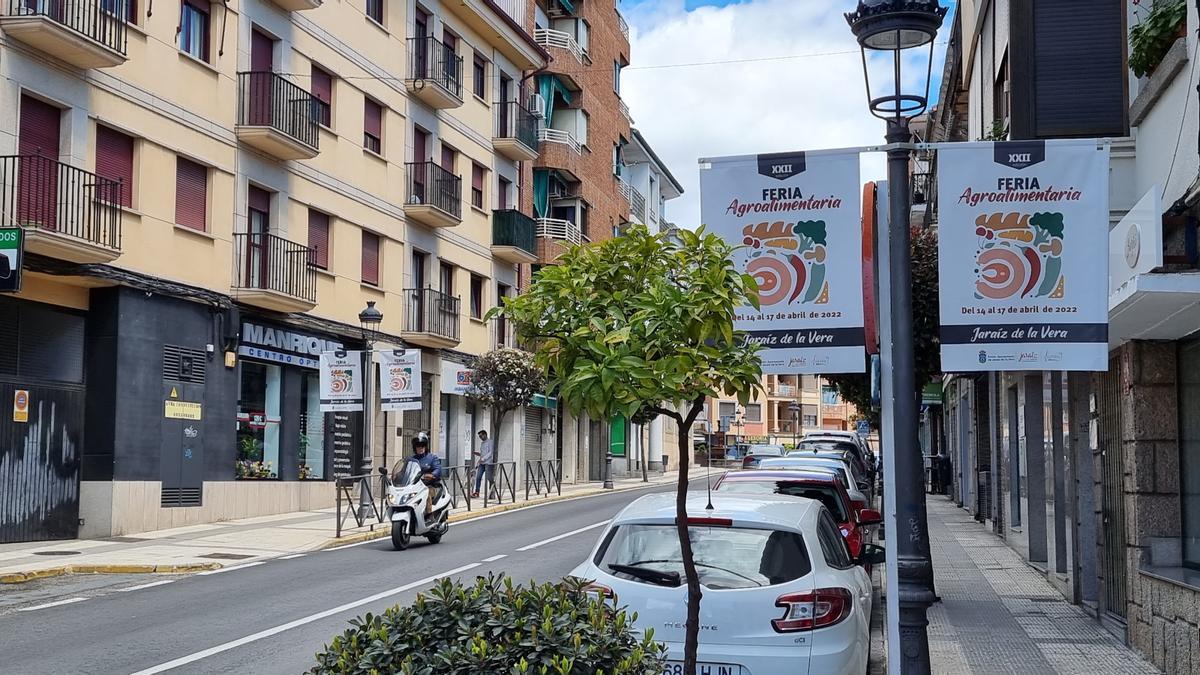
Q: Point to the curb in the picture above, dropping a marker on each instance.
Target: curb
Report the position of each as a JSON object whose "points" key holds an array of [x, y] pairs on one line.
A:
{"points": [[34, 575]]}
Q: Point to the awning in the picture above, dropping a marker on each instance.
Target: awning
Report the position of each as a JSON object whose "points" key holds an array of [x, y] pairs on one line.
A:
{"points": [[1154, 307], [543, 401]]}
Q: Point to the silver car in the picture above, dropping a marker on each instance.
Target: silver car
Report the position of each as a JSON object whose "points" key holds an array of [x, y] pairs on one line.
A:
{"points": [[843, 468]]}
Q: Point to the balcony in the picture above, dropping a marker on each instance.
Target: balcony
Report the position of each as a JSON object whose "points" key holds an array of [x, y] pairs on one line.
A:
{"points": [[549, 135], [560, 230], [514, 236], [276, 116], [624, 107], [273, 273], [430, 318], [637, 202], [623, 25], [516, 132], [68, 213], [434, 195], [297, 5], [83, 33], [552, 39], [434, 73], [785, 391]]}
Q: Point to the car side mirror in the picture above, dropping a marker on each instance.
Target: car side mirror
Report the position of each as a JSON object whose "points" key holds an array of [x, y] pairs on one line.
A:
{"points": [[869, 517], [872, 555]]}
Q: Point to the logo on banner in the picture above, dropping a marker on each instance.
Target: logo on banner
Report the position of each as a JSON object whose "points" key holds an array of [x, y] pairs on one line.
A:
{"points": [[1020, 256], [341, 380], [788, 261], [781, 166], [401, 377], [1019, 154]]}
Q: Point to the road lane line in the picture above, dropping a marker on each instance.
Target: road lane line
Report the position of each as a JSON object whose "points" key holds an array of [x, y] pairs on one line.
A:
{"points": [[293, 556], [564, 535], [152, 584], [48, 605], [495, 558], [203, 654], [361, 543], [231, 569]]}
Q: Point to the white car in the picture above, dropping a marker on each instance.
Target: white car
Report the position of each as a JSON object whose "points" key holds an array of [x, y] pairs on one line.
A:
{"points": [[843, 468], [781, 594]]}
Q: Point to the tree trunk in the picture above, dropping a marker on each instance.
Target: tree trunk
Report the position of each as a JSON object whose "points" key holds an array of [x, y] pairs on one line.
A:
{"points": [[642, 455], [691, 642]]}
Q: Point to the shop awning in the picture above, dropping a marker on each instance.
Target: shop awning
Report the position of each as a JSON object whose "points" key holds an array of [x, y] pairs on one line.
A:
{"points": [[1155, 307], [543, 401]]}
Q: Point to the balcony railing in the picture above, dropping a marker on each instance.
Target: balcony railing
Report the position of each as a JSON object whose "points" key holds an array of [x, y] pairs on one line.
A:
{"points": [[549, 135], [432, 312], [514, 120], [97, 20], [623, 25], [557, 39], [563, 230], [430, 59], [266, 262], [270, 100], [624, 107], [637, 202], [44, 194], [429, 183], [513, 8], [785, 391], [513, 228]]}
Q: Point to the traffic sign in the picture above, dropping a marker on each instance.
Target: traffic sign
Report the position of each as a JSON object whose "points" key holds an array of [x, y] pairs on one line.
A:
{"points": [[12, 244], [21, 405], [864, 428]]}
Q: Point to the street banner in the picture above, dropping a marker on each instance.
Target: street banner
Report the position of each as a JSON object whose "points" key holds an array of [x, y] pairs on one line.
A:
{"points": [[399, 379], [797, 219], [1023, 255], [456, 377], [12, 243], [341, 381]]}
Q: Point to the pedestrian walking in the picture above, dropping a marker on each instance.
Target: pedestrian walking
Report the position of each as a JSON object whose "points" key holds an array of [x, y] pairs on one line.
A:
{"points": [[485, 461]]}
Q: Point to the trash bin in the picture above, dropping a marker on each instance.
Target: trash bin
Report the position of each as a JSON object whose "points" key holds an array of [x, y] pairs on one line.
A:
{"points": [[664, 463]]}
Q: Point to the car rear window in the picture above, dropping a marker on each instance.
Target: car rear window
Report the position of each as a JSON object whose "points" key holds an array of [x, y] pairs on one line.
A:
{"points": [[800, 465], [826, 494], [726, 557]]}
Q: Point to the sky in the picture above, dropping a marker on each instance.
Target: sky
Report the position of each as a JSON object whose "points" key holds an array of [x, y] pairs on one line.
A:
{"points": [[763, 103]]}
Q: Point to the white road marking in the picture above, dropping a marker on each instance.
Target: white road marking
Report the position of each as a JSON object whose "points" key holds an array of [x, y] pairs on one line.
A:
{"points": [[192, 658], [360, 543], [563, 536], [152, 584], [495, 558], [57, 603], [293, 556], [231, 569]]}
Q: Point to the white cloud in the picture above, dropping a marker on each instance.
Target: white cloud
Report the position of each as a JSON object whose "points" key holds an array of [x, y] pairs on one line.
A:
{"points": [[745, 108]]}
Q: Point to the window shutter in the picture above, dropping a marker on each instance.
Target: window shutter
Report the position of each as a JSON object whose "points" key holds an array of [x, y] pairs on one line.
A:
{"points": [[370, 258], [114, 160], [477, 173], [318, 239], [373, 118], [40, 126], [191, 194], [260, 199]]}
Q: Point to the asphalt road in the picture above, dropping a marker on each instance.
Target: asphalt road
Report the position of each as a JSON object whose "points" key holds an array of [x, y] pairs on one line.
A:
{"points": [[273, 617]]}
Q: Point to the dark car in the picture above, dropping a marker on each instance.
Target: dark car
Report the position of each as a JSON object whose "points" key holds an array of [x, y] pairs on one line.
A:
{"points": [[755, 454]]}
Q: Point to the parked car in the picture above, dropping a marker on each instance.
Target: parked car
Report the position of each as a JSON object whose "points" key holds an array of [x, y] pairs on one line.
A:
{"points": [[823, 486], [831, 445], [782, 594], [841, 468], [755, 454], [867, 454]]}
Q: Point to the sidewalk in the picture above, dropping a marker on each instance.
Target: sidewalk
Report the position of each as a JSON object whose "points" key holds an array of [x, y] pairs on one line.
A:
{"points": [[998, 615], [237, 542]]}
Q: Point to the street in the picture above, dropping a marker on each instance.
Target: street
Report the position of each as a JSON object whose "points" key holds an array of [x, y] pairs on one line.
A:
{"points": [[272, 617]]}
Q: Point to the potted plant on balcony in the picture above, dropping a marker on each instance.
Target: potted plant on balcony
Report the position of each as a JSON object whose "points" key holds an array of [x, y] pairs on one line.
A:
{"points": [[1152, 36]]}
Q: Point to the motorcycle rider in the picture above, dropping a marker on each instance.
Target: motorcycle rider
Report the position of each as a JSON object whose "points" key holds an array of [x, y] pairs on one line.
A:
{"points": [[431, 468]]}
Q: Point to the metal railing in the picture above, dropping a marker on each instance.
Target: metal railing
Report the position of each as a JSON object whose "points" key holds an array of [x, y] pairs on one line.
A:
{"points": [[269, 99], [510, 227], [550, 135], [556, 228], [360, 506], [271, 263], [557, 39], [430, 311], [624, 107], [90, 18], [456, 481], [513, 8], [514, 120], [503, 480], [429, 183], [45, 194], [623, 25], [637, 201], [432, 60], [543, 475]]}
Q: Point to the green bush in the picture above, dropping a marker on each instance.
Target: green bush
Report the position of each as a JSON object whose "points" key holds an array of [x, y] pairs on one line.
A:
{"points": [[494, 627], [1152, 37]]}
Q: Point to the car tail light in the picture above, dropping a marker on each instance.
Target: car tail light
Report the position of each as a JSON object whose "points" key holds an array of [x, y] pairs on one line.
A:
{"points": [[748, 462], [808, 611], [601, 592], [853, 537]]}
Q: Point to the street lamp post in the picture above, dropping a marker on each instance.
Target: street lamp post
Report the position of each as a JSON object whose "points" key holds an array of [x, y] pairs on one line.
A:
{"points": [[368, 320], [892, 28], [795, 409]]}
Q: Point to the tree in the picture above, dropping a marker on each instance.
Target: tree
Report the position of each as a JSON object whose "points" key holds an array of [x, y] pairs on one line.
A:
{"points": [[640, 321], [503, 380], [856, 388]]}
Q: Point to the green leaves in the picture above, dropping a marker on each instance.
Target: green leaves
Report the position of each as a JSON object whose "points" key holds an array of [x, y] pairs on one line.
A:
{"points": [[505, 379]]}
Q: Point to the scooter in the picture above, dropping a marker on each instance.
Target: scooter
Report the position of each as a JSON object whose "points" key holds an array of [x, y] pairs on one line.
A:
{"points": [[407, 496]]}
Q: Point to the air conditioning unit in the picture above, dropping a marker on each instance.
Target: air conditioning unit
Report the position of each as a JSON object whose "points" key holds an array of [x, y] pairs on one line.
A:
{"points": [[537, 105]]}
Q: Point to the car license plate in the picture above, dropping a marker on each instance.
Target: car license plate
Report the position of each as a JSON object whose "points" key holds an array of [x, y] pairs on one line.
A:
{"points": [[676, 668]]}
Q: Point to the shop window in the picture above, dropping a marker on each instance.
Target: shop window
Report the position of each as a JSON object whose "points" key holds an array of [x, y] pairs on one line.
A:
{"points": [[1189, 448], [258, 428], [311, 454]]}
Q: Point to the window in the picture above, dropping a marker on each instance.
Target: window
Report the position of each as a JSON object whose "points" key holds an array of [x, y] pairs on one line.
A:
{"points": [[258, 420], [476, 296], [449, 157], [833, 544], [581, 128], [502, 188], [322, 91], [191, 194], [370, 258], [114, 161], [318, 239], [477, 177], [126, 9], [617, 77], [375, 11], [753, 412], [809, 421], [726, 409], [479, 80], [446, 280], [829, 396], [312, 429], [193, 28], [372, 126], [616, 160]]}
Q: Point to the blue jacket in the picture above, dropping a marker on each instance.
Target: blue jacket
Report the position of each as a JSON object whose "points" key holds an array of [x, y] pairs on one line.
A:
{"points": [[430, 463]]}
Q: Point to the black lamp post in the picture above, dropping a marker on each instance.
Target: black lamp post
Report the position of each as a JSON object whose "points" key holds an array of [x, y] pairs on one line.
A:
{"points": [[795, 410], [892, 29], [368, 320]]}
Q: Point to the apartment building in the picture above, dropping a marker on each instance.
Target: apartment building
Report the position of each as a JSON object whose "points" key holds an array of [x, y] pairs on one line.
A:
{"points": [[784, 409], [210, 194]]}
